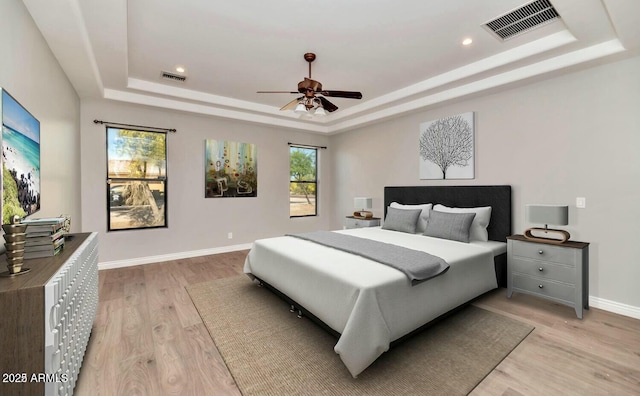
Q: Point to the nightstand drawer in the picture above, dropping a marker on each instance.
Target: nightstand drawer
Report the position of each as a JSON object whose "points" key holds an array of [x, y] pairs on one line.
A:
{"points": [[353, 222], [544, 288], [538, 251], [543, 269]]}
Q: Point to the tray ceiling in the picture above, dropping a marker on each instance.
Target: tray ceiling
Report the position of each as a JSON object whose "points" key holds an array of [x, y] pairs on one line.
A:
{"points": [[403, 56]]}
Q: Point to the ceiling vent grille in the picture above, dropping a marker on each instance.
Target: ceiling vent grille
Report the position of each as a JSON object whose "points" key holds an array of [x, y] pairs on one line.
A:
{"points": [[173, 77], [523, 19]]}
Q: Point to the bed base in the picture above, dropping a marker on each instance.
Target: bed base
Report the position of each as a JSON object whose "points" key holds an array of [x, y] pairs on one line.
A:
{"points": [[297, 308], [500, 263]]}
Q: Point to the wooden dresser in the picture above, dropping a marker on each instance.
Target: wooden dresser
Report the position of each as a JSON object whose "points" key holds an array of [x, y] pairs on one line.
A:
{"points": [[559, 272], [46, 318]]}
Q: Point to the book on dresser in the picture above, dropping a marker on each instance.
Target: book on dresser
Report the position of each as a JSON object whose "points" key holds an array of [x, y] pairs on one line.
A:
{"points": [[45, 251], [44, 237], [41, 227], [49, 249]]}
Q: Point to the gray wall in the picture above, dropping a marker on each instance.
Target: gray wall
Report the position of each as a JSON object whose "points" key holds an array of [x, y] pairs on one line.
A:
{"points": [[572, 136], [32, 75], [195, 222]]}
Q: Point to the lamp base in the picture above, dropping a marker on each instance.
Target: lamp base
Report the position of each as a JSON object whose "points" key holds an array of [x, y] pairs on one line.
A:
{"points": [[10, 274], [563, 235], [363, 214]]}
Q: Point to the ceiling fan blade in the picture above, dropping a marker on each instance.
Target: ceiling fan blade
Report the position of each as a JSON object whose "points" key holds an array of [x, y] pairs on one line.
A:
{"points": [[292, 104], [289, 92], [342, 94], [328, 106]]}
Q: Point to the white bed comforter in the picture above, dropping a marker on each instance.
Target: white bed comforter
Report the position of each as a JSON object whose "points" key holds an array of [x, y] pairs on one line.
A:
{"points": [[368, 303]]}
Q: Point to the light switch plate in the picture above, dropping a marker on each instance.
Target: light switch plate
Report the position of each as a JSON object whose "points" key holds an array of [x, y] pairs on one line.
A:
{"points": [[581, 202]]}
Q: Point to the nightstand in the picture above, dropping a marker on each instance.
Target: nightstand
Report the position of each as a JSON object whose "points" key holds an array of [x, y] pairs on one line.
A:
{"points": [[559, 272], [354, 222]]}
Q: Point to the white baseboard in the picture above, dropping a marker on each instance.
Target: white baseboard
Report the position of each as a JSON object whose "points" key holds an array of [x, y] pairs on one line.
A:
{"points": [[615, 307], [173, 256]]}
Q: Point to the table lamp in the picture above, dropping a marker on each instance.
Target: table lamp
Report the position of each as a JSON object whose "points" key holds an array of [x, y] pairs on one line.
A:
{"points": [[362, 206], [547, 214]]}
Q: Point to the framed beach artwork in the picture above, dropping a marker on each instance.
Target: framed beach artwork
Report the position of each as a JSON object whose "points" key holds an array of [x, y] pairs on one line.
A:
{"points": [[446, 147], [231, 169], [20, 160]]}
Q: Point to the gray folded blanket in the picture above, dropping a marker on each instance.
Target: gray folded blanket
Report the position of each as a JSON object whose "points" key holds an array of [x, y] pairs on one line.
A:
{"points": [[416, 265]]}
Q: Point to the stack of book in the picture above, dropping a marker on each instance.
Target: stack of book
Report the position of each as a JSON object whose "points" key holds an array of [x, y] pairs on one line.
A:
{"points": [[45, 237]]}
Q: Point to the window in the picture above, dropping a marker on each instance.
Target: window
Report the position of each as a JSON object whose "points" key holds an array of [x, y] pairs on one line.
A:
{"points": [[136, 179], [303, 182]]}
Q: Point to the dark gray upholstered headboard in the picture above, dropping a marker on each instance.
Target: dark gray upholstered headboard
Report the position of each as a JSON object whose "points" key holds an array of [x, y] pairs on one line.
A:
{"points": [[498, 197]]}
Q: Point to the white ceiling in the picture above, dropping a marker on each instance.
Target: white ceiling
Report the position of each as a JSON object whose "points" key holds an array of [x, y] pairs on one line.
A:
{"points": [[402, 55]]}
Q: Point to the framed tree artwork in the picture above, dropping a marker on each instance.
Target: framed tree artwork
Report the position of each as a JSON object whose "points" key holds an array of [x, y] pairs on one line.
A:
{"points": [[446, 147]]}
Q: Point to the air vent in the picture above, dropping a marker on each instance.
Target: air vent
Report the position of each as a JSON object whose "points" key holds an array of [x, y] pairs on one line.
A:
{"points": [[173, 77], [523, 19]]}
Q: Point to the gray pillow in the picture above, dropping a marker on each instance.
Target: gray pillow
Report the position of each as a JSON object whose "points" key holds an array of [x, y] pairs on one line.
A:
{"points": [[453, 226], [403, 220]]}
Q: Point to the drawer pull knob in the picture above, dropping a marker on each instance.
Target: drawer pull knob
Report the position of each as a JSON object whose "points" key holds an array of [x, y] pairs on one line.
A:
{"points": [[540, 269], [540, 252], [540, 286]]}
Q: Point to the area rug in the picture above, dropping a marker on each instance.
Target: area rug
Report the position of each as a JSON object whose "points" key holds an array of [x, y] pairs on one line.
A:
{"points": [[269, 351]]}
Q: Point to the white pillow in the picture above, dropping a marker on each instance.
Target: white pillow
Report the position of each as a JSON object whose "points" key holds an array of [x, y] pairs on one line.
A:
{"points": [[478, 230], [424, 216]]}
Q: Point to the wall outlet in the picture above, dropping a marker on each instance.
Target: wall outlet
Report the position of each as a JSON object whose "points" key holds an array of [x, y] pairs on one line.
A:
{"points": [[581, 202], [230, 235]]}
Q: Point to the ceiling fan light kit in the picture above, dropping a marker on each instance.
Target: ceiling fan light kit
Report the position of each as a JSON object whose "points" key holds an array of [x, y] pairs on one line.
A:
{"points": [[311, 105]]}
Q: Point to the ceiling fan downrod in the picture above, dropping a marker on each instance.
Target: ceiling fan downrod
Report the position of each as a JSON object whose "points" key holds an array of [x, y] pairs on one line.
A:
{"points": [[309, 57]]}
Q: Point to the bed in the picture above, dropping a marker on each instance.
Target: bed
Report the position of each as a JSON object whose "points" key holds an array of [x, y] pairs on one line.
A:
{"points": [[369, 305]]}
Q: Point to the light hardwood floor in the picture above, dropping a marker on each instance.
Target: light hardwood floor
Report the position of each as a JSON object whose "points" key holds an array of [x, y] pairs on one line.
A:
{"points": [[148, 339]]}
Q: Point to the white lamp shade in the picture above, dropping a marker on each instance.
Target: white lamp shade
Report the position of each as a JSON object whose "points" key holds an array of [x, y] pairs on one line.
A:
{"points": [[362, 203], [319, 112], [548, 214], [300, 109]]}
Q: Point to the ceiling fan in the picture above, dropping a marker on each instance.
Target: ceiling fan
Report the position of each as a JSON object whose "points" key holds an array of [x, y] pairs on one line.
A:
{"points": [[314, 102]]}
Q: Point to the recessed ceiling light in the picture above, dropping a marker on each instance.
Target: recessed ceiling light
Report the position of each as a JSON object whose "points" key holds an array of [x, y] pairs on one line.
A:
{"points": [[467, 41], [180, 69]]}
